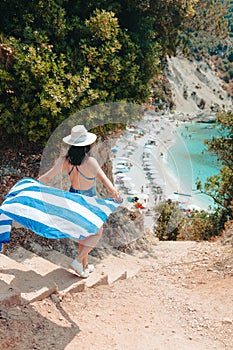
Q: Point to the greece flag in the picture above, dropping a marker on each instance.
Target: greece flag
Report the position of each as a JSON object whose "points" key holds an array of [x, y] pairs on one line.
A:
{"points": [[51, 212]]}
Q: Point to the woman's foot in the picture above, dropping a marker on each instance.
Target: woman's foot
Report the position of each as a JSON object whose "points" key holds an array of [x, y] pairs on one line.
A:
{"points": [[78, 268], [89, 268]]}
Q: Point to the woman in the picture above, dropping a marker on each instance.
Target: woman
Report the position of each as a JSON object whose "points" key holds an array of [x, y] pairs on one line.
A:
{"points": [[83, 171]]}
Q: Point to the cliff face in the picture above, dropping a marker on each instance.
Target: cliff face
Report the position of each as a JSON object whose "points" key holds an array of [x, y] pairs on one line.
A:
{"points": [[196, 87]]}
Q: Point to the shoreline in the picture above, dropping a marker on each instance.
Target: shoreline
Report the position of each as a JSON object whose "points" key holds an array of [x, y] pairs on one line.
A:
{"points": [[173, 184], [132, 148]]}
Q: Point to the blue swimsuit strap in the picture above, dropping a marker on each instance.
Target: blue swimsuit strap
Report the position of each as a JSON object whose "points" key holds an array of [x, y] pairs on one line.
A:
{"points": [[83, 175]]}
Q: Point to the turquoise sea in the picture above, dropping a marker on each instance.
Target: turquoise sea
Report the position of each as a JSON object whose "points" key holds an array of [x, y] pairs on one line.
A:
{"points": [[189, 159]]}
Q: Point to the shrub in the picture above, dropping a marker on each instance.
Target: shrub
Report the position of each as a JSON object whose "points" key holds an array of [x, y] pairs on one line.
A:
{"points": [[168, 223], [201, 226]]}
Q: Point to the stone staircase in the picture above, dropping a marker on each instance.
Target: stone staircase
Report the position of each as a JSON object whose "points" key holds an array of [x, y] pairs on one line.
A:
{"points": [[26, 277]]}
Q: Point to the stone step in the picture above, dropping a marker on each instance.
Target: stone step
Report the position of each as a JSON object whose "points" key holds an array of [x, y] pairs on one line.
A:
{"points": [[119, 266], [9, 288], [26, 277], [57, 274], [19, 284], [95, 279], [114, 266]]}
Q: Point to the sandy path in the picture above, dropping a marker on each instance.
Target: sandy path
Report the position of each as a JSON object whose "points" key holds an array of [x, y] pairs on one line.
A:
{"points": [[168, 306], [181, 299]]}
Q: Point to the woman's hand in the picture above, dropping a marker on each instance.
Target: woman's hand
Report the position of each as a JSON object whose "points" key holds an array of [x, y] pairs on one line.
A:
{"points": [[116, 196]]}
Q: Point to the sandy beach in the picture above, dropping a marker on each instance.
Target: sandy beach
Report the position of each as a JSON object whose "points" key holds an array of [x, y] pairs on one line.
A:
{"points": [[141, 169]]}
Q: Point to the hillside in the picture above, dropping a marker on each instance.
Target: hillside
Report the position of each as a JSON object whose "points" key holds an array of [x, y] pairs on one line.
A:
{"points": [[196, 87]]}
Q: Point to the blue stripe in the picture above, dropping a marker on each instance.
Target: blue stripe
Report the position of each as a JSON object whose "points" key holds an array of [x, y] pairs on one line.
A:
{"points": [[5, 237], [110, 205], [5, 222], [51, 209], [66, 214], [23, 181], [77, 198], [41, 229]]}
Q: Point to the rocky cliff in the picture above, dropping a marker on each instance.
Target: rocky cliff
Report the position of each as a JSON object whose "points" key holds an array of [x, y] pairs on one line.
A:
{"points": [[195, 87]]}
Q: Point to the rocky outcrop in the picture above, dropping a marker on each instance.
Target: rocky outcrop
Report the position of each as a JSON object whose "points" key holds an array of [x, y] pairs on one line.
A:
{"points": [[195, 87]]}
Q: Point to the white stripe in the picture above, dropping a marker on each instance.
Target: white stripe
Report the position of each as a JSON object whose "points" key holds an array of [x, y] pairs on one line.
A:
{"points": [[105, 208], [5, 228], [91, 200], [49, 220], [4, 217], [63, 203], [24, 186]]}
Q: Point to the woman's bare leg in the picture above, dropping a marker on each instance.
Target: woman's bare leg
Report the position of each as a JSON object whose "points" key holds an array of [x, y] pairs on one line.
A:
{"points": [[87, 245], [85, 259]]}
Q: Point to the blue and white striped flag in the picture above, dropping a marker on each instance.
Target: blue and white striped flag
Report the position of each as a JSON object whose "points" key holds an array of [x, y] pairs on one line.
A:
{"points": [[51, 212]]}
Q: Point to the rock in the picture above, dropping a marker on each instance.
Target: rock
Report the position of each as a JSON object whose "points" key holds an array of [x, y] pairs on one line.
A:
{"points": [[227, 321]]}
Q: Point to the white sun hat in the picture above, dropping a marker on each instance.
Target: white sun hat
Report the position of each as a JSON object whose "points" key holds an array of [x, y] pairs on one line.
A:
{"points": [[80, 136]]}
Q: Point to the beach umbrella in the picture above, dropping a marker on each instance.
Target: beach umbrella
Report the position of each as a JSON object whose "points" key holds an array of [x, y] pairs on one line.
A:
{"points": [[124, 177], [122, 162], [154, 176], [133, 192], [123, 170], [120, 176], [147, 151], [121, 158], [129, 185], [114, 150], [132, 148], [120, 166]]}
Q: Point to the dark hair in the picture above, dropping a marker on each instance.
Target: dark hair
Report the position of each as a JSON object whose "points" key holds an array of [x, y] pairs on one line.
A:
{"points": [[76, 154]]}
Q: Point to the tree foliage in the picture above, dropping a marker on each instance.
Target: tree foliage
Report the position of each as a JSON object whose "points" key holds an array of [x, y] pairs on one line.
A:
{"points": [[220, 186], [200, 226], [210, 18], [61, 56], [36, 88], [169, 220], [173, 224]]}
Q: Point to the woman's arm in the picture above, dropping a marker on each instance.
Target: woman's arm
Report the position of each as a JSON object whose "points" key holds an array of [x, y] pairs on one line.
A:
{"points": [[101, 176], [58, 167]]}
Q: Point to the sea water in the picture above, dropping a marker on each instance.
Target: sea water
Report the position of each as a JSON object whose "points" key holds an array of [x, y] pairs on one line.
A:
{"points": [[190, 160]]}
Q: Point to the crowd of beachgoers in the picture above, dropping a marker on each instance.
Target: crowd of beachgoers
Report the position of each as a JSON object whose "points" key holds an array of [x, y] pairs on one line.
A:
{"points": [[141, 171]]}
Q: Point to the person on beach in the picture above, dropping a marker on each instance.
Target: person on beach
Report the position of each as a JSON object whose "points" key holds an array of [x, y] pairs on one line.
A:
{"points": [[83, 171]]}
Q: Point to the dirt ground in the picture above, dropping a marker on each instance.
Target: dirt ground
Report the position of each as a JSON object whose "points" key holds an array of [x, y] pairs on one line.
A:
{"points": [[181, 299]]}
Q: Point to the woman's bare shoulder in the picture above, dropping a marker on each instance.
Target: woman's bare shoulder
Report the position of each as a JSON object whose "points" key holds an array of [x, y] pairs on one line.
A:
{"points": [[91, 160], [92, 163]]}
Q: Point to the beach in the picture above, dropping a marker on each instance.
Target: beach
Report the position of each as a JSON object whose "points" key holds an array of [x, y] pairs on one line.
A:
{"points": [[141, 169]]}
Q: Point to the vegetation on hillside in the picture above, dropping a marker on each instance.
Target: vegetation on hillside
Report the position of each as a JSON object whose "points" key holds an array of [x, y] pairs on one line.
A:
{"points": [[173, 224], [59, 57], [212, 42], [220, 186]]}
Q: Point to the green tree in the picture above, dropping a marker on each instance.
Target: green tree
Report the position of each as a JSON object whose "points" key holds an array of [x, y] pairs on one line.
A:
{"points": [[169, 220], [36, 88], [112, 58], [61, 56], [220, 186], [200, 226]]}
